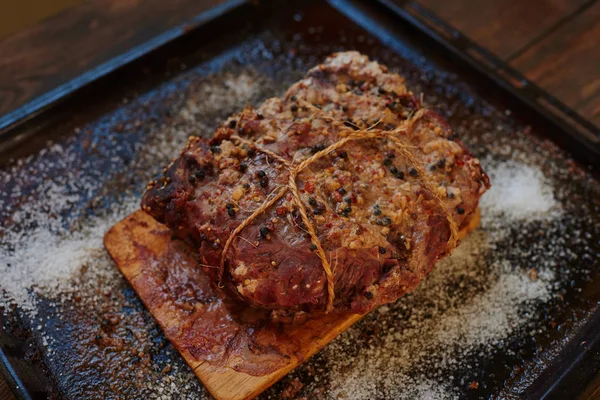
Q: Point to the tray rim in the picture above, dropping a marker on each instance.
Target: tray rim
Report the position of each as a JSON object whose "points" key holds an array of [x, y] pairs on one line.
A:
{"points": [[579, 352], [12, 379], [47, 100], [494, 70], [580, 132]]}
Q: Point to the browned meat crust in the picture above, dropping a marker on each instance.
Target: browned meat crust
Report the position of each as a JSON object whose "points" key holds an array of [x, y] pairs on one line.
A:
{"points": [[382, 230]]}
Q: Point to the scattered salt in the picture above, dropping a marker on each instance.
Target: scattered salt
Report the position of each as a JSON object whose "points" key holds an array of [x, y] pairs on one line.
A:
{"points": [[519, 191], [411, 360], [46, 256], [50, 250], [461, 310], [43, 260]]}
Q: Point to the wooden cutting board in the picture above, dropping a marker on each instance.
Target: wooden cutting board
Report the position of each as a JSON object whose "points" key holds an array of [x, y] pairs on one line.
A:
{"points": [[146, 254]]}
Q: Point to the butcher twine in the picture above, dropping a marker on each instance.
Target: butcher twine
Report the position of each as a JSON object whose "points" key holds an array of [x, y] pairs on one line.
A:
{"points": [[295, 169]]}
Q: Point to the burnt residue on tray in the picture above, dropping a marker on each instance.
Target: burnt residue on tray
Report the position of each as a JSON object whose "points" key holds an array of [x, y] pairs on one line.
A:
{"points": [[486, 322]]}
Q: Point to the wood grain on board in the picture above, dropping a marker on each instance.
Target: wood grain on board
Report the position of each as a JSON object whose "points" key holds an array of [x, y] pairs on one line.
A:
{"points": [[131, 241], [54, 51]]}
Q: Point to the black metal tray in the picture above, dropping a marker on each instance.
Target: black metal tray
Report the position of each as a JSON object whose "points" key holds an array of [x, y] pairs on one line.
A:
{"points": [[113, 130]]}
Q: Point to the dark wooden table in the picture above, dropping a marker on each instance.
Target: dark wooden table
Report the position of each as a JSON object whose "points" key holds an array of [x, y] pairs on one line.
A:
{"points": [[555, 43]]}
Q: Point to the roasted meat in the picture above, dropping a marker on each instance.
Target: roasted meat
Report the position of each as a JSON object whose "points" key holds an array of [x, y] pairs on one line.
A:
{"points": [[383, 204]]}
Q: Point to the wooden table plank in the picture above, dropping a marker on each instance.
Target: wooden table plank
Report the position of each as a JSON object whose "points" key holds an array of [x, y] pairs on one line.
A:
{"points": [[554, 43], [16, 15], [60, 48], [503, 26], [567, 63], [5, 393], [592, 392]]}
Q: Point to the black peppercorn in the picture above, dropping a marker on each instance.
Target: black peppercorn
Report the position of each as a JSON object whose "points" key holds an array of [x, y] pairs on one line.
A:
{"points": [[260, 173], [345, 108], [344, 155], [232, 123], [342, 191], [319, 209], [293, 98], [317, 148], [383, 221], [382, 250], [460, 210], [312, 201], [347, 211], [215, 149], [231, 212], [381, 90], [264, 182], [199, 174], [394, 170], [376, 209], [265, 233], [312, 247], [294, 108], [399, 175], [243, 167], [192, 179], [251, 153], [413, 172], [387, 162], [369, 295]]}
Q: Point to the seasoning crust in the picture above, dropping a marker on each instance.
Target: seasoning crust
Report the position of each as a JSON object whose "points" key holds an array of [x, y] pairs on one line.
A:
{"points": [[380, 226]]}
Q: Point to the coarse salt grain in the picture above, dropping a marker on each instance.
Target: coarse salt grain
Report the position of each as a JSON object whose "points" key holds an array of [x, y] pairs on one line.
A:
{"points": [[48, 258], [43, 260], [45, 257], [518, 191], [438, 338], [50, 250]]}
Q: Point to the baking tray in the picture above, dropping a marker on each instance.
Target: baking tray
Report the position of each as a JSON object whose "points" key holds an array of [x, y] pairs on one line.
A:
{"points": [[75, 161]]}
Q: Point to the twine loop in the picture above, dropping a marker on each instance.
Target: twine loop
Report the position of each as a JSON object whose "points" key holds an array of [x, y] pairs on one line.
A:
{"points": [[294, 169]]}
